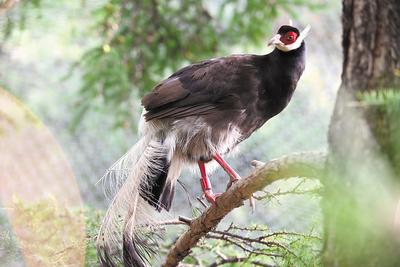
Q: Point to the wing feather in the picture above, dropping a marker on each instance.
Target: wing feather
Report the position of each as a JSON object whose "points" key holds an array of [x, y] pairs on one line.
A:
{"points": [[168, 91], [180, 112], [200, 89]]}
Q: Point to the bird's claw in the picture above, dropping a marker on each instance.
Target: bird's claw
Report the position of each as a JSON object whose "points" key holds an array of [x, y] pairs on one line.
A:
{"points": [[231, 182], [210, 196], [251, 199]]}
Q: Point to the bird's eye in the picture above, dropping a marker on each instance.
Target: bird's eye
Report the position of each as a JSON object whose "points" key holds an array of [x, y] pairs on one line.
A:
{"points": [[289, 38]]}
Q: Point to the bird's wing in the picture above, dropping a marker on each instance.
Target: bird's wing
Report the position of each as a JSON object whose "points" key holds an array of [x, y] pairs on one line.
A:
{"points": [[199, 89]]}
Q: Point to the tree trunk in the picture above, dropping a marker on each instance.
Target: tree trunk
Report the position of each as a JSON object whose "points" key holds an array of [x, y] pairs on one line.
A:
{"points": [[371, 44], [359, 203]]}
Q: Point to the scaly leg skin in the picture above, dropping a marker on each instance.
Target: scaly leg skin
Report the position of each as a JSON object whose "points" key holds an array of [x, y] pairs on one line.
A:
{"points": [[206, 184], [228, 169], [233, 176]]}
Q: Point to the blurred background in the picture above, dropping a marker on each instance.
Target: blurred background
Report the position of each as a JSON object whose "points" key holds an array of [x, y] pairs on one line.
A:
{"points": [[81, 68]]}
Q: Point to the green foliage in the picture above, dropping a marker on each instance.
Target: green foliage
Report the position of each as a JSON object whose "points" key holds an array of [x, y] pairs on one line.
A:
{"points": [[19, 19], [385, 104], [48, 234], [383, 97], [93, 219]]}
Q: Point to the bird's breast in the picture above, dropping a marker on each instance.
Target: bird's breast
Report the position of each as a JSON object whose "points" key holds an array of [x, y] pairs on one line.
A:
{"points": [[197, 139]]}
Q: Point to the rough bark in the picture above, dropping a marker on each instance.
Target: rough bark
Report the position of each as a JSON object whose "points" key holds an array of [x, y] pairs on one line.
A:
{"points": [[358, 205], [302, 164], [371, 44]]}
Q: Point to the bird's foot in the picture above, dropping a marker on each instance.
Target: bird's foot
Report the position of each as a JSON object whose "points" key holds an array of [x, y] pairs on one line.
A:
{"points": [[251, 199], [210, 196], [231, 182]]}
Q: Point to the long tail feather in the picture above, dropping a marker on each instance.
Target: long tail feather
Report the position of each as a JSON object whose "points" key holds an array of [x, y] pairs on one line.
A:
{"points": [[119, 172], [140, 178]]}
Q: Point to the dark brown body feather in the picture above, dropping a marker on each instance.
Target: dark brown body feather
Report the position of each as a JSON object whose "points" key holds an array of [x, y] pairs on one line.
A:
{"points": [[242, 90], [213, 105]]}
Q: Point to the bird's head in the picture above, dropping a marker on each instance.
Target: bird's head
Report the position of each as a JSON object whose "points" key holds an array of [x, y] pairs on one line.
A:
{"points": [[289, 38]]}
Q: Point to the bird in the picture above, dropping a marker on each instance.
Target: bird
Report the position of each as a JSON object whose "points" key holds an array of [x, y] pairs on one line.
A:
{"points": [[196, 116]]}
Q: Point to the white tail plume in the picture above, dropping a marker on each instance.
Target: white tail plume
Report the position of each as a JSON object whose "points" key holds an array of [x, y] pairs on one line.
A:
{"points": [[126, 232]]}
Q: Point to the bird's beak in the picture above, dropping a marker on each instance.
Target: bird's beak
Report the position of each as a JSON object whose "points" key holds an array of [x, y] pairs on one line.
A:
{"points": [[275, 40]]}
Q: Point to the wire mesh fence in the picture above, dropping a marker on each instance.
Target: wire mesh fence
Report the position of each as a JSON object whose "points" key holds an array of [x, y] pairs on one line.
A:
{"points": [[90, 150]]}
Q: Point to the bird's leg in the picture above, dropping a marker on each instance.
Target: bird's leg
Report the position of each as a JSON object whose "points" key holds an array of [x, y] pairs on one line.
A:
{"points": [[206, 184], [231, 172]]}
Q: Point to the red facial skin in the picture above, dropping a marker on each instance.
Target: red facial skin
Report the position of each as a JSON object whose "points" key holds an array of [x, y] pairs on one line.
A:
{"points": [[288, 38]]}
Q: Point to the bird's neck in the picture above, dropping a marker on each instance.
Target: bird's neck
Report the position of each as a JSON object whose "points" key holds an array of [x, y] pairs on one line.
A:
{"points": [[280, 74], [291, 60], [287, 65]]}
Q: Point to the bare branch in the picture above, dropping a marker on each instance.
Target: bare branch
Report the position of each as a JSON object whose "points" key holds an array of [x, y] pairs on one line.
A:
{"points": [[268, 195], [297, 165], [237, 259], [243, 241]]}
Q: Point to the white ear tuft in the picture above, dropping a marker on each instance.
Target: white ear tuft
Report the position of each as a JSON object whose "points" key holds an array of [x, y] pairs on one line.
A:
{"points": [[304, 32]]}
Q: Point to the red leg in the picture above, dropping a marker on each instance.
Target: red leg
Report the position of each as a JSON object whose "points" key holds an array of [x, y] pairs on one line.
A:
{"points": [[231, 172], [206, 184]]}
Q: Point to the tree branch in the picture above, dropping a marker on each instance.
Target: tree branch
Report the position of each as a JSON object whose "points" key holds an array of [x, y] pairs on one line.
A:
{"points": [[236, 260], [309, 164]]}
